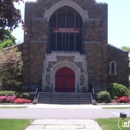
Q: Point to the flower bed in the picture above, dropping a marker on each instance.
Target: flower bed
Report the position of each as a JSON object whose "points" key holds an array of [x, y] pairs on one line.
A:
{"points": [[123, 99], [21, 100], [13, 99]]}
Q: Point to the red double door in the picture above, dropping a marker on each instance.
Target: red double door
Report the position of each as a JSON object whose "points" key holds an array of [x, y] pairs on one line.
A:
{"points": [[65, 80]]}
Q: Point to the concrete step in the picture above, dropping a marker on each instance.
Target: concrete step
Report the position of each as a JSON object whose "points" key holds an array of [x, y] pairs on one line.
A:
{"points": [[64, 98]]}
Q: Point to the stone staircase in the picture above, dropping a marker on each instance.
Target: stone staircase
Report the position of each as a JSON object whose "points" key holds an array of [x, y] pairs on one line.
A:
{"points": [[64, 98]]}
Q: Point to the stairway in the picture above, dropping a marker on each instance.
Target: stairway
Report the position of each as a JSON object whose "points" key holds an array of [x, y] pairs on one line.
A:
{"points": [[64, 98]]}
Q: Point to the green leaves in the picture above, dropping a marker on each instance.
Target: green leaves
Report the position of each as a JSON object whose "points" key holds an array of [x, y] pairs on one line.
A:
{"points": [[9, 40], [11, 65], [10, 17], [126, 48]]}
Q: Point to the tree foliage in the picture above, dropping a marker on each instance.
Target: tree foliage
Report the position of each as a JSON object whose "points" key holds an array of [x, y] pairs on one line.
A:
{"points": [[126, 48], [11, 66], [9, 40], [10, 17]]}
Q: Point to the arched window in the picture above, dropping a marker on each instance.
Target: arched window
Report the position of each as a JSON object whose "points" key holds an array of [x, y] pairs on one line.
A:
{"points": [[65, 31], [112, 68]]}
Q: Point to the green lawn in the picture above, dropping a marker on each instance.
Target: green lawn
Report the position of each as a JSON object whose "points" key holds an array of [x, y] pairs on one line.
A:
{"points": [[14, 124], [110, 123], [116, 107], [13, 106]]}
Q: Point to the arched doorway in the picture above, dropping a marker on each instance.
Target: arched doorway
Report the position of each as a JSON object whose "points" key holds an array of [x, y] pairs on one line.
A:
{"points": [[65, 80]]}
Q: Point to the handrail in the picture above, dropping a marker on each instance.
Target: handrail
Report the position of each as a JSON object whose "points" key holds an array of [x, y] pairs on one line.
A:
{"points": [[78, 92], [93, 93], [77, 88], [36, 92], [51, 92]]}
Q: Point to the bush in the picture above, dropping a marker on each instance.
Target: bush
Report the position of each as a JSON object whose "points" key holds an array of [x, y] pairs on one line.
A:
{"points": [[7, 93], [103, 97], [23, 95], [21, 100], [123, 99], [83, 89], [117, 90], [129, 92], [17, 94]]}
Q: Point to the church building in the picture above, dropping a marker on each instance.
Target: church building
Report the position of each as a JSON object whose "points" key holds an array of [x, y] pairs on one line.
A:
{"points": [[66, 46]]}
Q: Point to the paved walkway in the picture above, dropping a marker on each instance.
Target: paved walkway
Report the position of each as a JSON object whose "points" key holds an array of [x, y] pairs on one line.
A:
{"points": [[65, 124], [61, 124]]}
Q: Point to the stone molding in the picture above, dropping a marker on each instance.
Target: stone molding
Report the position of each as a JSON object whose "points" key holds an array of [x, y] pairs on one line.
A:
{"points": [[79, 71], [86, 42], [92, 20], [38, 41], [39, 19], [74, 5]]}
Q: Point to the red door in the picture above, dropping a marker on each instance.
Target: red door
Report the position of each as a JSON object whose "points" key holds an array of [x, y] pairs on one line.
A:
{"points": [[65, 80]]}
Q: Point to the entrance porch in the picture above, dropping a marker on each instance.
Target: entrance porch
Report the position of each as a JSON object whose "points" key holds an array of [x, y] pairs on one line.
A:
{"points": [[65, 72]]}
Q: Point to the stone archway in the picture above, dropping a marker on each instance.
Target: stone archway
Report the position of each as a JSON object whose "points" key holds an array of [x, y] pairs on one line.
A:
{"points": [[83, 13], [63, 64]]}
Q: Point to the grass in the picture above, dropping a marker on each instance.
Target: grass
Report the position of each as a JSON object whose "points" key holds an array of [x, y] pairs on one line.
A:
{"points": [[116, 107], [110, 123], [14, 124], [13, 106]]}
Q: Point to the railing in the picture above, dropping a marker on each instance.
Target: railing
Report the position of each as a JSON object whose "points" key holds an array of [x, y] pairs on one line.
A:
{"points": [[36, 93], [51, 92], [93, 93], [78, 92], [31, 87], [77, 88]]}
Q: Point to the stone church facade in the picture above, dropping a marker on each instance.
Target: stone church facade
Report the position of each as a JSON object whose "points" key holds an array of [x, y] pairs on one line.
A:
{"points": [[66, 46]]}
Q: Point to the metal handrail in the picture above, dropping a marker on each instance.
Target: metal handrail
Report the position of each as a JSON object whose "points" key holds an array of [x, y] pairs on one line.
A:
{"points": [[36, 93], [78, 92], [93, 93], [51, 92]]}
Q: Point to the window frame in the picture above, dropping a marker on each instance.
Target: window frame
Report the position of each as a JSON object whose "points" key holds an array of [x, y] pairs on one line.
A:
{"points": [[112, 68]]}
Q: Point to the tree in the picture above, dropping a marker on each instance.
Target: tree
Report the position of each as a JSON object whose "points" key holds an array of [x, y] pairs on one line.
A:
{"points": [[8, 40], [126, 48], [10, 66], [10, 17]]}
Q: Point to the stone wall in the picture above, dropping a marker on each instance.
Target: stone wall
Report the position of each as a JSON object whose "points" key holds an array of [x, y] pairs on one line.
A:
{"points": [[121, 58], [93, 57], [95, 41], [37, 24], [33, 56]]}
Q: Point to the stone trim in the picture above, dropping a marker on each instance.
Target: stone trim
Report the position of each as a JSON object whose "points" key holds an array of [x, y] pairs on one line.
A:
{"points": [[86, 42], [76, 59], [39, 19], [91, 19], [83, 13], [110, 68], [38, 41]]}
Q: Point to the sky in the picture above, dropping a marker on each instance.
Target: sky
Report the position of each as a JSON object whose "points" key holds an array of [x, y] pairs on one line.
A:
{"points": [[118, 22]]}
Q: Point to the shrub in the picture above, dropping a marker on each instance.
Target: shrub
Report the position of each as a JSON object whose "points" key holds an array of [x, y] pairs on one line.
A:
{"points": [[10, 99], [83, 89], [118, 90], [129, 92], [26, 95], [103, 96], [21, 100], [23, 95], [7, 93]]}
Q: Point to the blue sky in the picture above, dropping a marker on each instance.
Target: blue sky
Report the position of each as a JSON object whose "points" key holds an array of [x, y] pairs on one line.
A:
{"points": [[118, 22]]}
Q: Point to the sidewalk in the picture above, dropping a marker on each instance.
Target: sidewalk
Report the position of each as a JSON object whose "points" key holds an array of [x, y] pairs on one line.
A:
{"points": [[61, 124], [87, 106]]}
